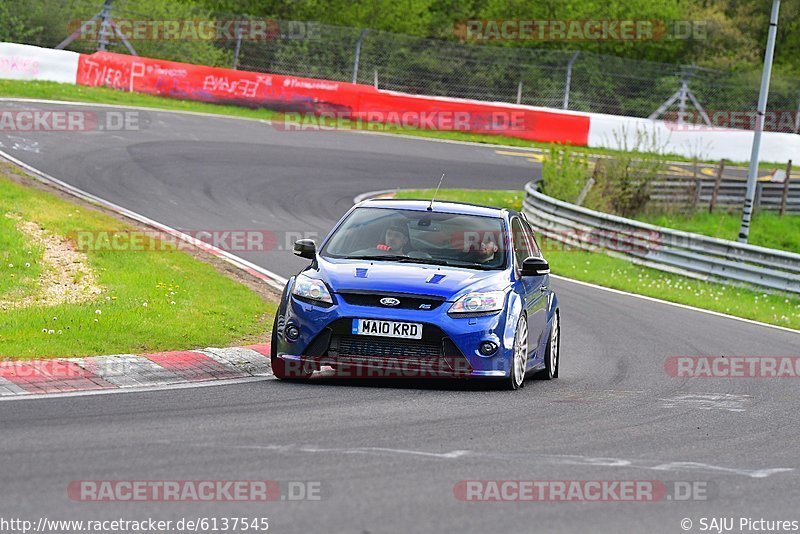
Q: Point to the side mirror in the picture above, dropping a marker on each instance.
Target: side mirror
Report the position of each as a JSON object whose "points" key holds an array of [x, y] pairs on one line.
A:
{"points": [[534, 266], [305, 248]]}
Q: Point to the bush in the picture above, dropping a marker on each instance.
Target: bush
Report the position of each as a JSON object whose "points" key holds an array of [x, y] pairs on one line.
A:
{"points": [[564, 173], [622, 181]]}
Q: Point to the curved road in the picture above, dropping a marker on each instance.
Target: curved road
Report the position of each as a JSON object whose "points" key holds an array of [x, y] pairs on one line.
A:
{"points": [[386, 454]]}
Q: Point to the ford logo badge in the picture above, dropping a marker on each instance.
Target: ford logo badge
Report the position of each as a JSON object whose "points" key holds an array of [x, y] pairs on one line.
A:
{"points": [[389, 301]]}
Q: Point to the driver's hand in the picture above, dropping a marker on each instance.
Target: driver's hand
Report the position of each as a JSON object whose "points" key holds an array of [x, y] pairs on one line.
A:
{"points": [[383, 247]]}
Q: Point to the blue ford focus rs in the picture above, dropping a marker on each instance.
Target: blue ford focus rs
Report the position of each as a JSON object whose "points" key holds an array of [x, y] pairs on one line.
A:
{"points": [[409, 288]]}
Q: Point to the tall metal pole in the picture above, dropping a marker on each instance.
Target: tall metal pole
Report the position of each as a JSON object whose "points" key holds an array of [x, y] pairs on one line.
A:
{"points": [[105, 27], [358, 55], [238, 47], [752, 173], [682, 102], [568, 81]]}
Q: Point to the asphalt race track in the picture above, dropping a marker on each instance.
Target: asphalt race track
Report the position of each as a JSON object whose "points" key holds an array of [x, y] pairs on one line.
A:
{"points": [[389, 454]]}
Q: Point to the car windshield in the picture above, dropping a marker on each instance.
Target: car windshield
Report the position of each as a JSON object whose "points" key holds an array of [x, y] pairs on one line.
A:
{"points": [[382, 234]]}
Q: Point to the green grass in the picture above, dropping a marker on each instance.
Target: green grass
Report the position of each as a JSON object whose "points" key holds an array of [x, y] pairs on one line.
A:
{"points": [[617, 273], [19, 260], [152, 301], [766, 229], [102, 95]]}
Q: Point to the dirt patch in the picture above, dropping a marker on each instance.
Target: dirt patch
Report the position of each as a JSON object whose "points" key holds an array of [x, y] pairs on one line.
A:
{"points": [[66, 277]]}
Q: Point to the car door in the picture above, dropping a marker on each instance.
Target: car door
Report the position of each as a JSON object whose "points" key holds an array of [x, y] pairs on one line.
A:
{"points": [[536, 290], [530, 286]]}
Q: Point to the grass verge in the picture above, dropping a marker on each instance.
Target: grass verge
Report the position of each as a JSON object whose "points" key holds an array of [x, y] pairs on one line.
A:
{"points": [[616, 273], [149, 300], [766, 229], [102, 95]]}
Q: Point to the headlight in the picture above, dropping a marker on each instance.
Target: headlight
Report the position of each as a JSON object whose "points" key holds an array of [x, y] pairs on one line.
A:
{"points": [[311, 289], [490, 301]]}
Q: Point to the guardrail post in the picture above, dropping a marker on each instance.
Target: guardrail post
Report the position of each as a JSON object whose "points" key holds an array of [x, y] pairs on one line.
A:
{"points": [[585, 191], [698, 189], [785, 196], [757, 199], [717, 182]]}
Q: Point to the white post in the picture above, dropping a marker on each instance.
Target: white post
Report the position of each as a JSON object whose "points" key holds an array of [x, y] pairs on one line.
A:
{"points": [[752, 174]]}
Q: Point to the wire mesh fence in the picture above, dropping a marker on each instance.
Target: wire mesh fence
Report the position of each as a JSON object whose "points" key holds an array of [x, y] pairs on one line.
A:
{"points": [[539, 77]]}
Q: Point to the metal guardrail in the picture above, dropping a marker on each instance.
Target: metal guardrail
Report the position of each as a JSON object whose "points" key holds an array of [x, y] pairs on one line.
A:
{"points": [[731, 193], [693, 255]]}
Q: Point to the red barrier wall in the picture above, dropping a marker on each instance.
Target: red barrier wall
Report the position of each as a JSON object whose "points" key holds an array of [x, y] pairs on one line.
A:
{"points": [[209, 84], [308, 95]]}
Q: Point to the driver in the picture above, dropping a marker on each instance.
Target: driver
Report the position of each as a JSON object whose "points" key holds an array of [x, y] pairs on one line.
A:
{"points": [[396, 239]]}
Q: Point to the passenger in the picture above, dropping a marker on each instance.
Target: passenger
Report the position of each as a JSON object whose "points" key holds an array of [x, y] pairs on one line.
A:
{"points": [[486, 252]]}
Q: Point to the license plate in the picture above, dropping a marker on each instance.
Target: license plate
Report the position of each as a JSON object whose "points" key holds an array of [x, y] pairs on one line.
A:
{"points": [[373, 327]]}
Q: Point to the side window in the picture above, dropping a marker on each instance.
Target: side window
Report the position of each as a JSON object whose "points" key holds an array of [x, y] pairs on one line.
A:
{"points": [[534, 250], [521, 247]]}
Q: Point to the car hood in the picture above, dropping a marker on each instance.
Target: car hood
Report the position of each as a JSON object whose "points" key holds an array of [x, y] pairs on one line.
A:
{"points": [[419, 279]]}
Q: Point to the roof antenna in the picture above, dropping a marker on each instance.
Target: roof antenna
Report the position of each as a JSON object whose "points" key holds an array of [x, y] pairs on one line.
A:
{"points": [[430, 206]]}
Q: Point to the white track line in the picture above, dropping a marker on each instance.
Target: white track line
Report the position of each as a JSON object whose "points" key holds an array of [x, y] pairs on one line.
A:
{"points": [[675, 304]]}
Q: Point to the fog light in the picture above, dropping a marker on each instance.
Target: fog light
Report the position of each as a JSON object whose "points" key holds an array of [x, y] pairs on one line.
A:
{"points": [[292, 332], [487, 348]]}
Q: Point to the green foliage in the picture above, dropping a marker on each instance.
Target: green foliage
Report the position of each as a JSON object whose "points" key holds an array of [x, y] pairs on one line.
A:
{"points": [[622, 181], [734, 37], [564, 173], [49, 22], [13, 27]]}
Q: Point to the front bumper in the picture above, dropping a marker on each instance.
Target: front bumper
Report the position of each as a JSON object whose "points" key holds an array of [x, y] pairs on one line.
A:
{"points": [[450, 344]]}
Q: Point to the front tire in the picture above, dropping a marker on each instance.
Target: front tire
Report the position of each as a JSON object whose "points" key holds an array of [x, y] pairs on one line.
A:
{"points": [[519, 360], [294, 371]]}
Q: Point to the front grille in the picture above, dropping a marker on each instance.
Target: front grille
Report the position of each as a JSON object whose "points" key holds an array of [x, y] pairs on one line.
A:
{"points": [[384, 348], [407, 302]]}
